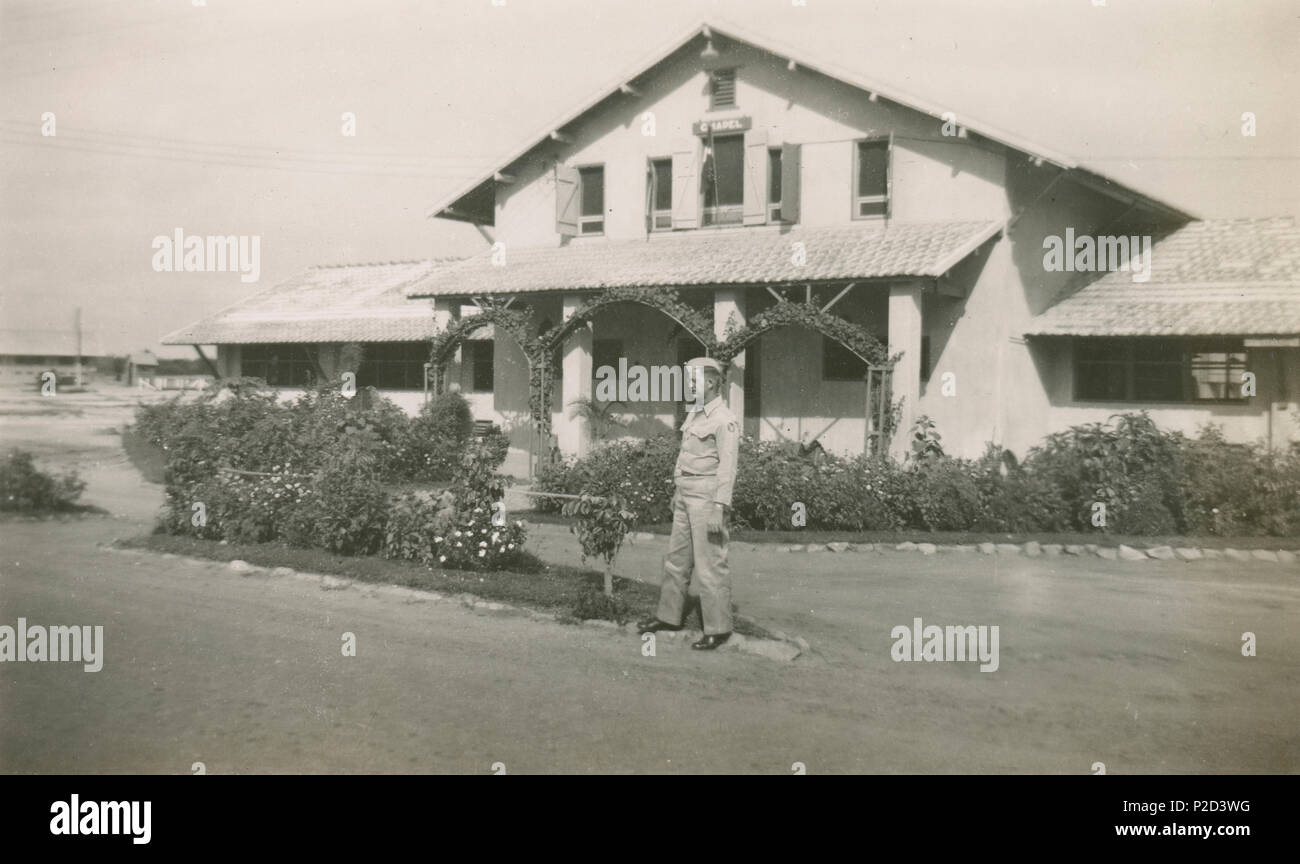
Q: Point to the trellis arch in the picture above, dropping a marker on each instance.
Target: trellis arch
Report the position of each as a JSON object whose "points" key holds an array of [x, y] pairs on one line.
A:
{"points": [[852, 336], [512, 321], [665, 300], [880, 411]]}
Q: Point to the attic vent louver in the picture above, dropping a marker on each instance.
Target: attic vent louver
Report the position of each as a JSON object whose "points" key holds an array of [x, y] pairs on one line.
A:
{"points": [[722, 89]]}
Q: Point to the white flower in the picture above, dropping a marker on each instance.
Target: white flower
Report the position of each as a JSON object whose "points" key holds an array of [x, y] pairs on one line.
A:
{"points": [[437, 539], [442, 559], [502, 549], [512, 545], [482, 552], [482, 544]]}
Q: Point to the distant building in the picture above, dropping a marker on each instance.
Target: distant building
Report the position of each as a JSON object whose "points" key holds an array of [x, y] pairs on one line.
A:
{"points": [[138, 365], [25, 354]]}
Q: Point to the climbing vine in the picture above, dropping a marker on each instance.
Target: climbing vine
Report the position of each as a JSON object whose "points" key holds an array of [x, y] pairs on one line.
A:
{"points": [[666, 300], [515, 322], [852, 336]]}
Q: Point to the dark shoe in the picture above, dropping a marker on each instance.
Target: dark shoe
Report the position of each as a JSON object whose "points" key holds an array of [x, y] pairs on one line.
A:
{"points": [[710, 642], [652, 625]]}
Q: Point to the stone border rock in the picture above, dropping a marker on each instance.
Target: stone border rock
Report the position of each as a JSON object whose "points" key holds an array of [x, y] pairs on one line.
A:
{"points": [[783, 648], [1033, 549]]}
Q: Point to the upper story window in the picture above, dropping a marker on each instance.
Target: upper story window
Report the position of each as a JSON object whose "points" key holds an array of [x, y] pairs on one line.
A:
{"points": [[659, 206], [723, 181], [591, 195], [871, 179], [1158, 370], [722, 89]]}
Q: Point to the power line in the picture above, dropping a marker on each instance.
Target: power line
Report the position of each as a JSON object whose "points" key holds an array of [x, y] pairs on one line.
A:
{"points": [[229, 149], [227, 162]]}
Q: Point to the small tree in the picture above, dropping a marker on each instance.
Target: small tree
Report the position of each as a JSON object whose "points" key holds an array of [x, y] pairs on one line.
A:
{"points": [[601, 525]]}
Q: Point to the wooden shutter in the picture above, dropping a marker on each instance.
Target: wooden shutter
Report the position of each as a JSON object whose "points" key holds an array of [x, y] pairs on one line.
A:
{"points": [[790, 174], [889, 177], [566, 200], [686, 184], [756, 180]]}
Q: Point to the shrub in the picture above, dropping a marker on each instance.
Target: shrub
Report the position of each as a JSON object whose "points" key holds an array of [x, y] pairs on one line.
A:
{"points": [[1014, 500], [435, 440], [1239, 489], [345, 512], [601, 524], [639, 471], [944, 495], [26, 489], [461, 528], [1130, 466]]}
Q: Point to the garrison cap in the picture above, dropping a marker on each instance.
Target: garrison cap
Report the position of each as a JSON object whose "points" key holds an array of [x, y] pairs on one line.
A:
{"points": [[704, 363]]}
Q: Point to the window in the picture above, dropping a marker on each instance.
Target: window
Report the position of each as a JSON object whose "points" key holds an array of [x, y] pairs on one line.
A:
{"points": [[1158, 370], [660, 206], [724, 181], [722, 89], [841, 364], [393, 365], [774, 184], [478, 358], [278, 365], [591, 194], [871, 179]]}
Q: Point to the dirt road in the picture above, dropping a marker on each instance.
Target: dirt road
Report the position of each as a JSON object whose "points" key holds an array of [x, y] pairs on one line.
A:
{"points": [[1136, 666]]}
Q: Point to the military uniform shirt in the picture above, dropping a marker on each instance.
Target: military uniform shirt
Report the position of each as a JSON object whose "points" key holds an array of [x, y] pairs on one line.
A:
{"points": [[710, 444]]}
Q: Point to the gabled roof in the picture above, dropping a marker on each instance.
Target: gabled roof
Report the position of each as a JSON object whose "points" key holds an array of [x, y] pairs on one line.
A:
{"points": [[1088, 176], [1230, 277], [348, 303], [742, 256]]}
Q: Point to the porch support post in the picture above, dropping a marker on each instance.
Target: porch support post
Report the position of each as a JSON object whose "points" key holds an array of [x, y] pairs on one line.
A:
{"points": [[905, 336], [729, 304], [573, 433]]}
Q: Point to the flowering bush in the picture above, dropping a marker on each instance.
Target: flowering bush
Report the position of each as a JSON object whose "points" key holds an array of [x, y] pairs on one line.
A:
{"points": [[312, 473], [451, 532]]}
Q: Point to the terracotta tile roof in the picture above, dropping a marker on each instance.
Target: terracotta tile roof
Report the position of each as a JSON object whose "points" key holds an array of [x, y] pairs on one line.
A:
{"points": [[1221, 277], [744, 256], [348, 303]]}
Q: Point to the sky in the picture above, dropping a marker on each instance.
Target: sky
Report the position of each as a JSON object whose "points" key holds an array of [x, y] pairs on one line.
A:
{"points": [[226, 117]]}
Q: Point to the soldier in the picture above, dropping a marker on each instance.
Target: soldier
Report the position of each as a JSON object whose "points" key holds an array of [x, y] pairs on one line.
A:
{"points": [[704, 476]]}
